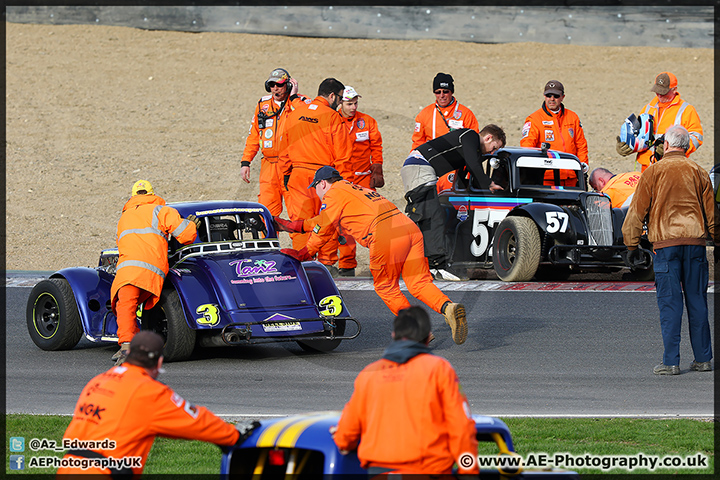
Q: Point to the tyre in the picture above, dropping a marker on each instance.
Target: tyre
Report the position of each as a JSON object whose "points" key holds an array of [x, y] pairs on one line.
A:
{"points": [[53, 319], [516, 249], [167, 319], [324, 345]]}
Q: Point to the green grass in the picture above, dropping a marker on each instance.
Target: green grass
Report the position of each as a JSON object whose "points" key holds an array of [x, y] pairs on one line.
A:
{"points": [[613, 436]]}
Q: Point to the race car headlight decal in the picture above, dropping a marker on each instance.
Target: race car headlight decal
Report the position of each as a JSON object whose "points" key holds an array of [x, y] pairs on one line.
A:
{"points": [[331, 306]]}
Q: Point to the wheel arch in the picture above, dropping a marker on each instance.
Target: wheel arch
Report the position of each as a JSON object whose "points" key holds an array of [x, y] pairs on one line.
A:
{"points": [[91, 289]]}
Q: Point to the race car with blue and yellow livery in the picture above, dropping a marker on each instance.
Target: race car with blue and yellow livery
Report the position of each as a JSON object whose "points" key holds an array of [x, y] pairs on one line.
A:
{"points": [[534, 222], [232, 286], [301, 447]]}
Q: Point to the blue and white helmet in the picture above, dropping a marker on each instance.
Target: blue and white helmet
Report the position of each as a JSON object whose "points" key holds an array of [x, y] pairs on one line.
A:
{"points": [[638, 132]]}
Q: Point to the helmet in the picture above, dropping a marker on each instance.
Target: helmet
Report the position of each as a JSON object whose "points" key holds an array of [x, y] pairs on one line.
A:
{"points": [[142, 186], [638, 132], [279, 75]]}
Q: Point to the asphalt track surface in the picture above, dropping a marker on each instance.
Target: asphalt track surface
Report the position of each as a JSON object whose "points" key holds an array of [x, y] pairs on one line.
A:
{"points": [[559, 349]]}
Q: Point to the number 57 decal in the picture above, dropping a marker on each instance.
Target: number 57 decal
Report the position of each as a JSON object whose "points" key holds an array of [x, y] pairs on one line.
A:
{"points": [[556, 222]]}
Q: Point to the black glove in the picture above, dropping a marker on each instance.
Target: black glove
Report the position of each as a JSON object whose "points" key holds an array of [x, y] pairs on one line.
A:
{"points": [[286, 179], [245, 432], [633, 258]]}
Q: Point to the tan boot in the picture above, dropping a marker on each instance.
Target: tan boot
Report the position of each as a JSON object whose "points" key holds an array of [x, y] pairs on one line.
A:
{"points": [[122, 353], [455, 317]]}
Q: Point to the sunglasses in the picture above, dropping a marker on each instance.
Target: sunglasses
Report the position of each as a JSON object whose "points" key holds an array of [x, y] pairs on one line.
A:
{"points": [[275, 84], [439, 92], [553, 95]]}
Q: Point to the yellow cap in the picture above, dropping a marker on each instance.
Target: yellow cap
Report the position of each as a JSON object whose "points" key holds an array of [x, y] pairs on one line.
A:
{"points": [[142, 186]]}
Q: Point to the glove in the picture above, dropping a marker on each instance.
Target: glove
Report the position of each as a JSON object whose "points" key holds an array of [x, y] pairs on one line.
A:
{"points": [[286, 179], [245, 432], [633, 258], [299, 255], [195, 220], [292, 226], [623, 148], [660, 149], [376, 176]]}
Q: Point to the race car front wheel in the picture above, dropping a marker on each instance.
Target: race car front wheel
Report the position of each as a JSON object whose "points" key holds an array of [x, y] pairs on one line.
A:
{"points": [[53, 319], [516, 249], [167, 319]]}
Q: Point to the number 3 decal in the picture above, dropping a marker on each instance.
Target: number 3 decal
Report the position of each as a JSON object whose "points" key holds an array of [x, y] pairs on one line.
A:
{"points": [[557, 222], [209, 313]]}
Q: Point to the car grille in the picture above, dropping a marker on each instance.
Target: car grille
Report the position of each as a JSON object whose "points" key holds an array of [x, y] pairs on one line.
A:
{"points": [[599, 217]]}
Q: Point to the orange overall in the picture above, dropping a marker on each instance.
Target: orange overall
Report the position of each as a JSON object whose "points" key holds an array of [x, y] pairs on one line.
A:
{"points": [[563, 131], [315, 136], [129, 408], [266, 129], [431, 123], [620, 188], [395, 243], [142, 234], [411, 417], [675, 112], [367, 149]]}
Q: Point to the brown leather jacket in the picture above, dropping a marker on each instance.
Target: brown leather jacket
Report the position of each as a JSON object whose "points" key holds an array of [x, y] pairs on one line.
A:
{"points": [[677, 196]]}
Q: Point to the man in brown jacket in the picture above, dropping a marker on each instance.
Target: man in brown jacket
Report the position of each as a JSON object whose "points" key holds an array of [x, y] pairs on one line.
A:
{"points": [[677, 197]]}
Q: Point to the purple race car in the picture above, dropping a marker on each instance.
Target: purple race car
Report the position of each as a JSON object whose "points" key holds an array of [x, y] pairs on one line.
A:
{"points": [[232, 286]]}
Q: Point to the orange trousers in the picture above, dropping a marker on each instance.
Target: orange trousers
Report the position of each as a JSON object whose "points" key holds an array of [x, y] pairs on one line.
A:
{"points": [[129, 298], [303, 203], [399, 251], [271, 186]]}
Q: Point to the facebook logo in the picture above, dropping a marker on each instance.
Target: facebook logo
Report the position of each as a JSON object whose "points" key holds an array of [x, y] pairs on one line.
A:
{"points": [[17, 462], [17, 444]]}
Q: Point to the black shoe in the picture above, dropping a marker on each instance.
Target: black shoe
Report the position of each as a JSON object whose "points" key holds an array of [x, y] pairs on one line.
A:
{"points": [[334, 272], [347, 272]]}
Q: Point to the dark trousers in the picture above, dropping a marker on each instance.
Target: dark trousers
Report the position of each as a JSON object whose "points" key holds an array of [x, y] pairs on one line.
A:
{"points": [[424, 209], [682, 271]]}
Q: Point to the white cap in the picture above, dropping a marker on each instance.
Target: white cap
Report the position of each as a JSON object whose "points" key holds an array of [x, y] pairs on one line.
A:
{"points": [[349, 93]]}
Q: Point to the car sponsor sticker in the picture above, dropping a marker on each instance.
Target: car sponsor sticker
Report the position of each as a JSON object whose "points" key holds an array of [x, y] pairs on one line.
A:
{"points": [[462, 213], [259, 271], [280, 323], [549, 136], [219, 211], [362, 136]]}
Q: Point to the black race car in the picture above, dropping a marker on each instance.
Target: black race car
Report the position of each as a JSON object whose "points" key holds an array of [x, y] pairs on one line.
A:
{"points": [[542, 223]]}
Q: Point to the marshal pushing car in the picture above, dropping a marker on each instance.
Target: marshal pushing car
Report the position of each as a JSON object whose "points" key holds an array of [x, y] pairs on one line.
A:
{"points": [[301, 447], [542, 222], [232, 286]]}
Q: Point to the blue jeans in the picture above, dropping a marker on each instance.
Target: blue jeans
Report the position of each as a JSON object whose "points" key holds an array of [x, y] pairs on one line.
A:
{"points": [[683, 271]]}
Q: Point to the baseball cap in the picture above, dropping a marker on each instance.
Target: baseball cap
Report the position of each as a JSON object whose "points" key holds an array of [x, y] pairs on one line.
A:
{"points": [[145, 348], [664, 82], [553, 86], [325, 173], [279, 75], [349, 93], [444, 80], [142, 186]]}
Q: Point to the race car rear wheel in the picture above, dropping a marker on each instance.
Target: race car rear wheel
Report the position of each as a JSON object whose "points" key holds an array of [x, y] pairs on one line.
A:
{"points": [[324, 345], [168, 320], [53, 319], [516, 249]]}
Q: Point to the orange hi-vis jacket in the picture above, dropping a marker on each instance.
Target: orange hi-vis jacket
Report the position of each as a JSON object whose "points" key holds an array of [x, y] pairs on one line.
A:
{"points": [[563, 131], [315, 136], [675, 112], [142, 240], [124, 409], [620, 188], [395, 242], [411, 417], [367, 146], [433, 121], [266, 129]]}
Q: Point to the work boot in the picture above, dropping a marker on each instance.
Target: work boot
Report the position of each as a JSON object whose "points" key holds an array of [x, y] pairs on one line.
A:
{"points": [[455, 317], [663, 369], [121, 354], [347, 272], [701, 366], [334, 272]]}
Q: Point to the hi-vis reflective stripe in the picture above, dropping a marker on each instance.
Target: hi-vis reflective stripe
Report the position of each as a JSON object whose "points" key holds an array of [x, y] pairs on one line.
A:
{"points": [[285, 433], [183, 225], [141, 231], [145, 265]]}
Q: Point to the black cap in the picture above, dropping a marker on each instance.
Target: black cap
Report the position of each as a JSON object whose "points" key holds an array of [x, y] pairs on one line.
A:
{"points": [[444, 80], [146, 347], [325, 173]]}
